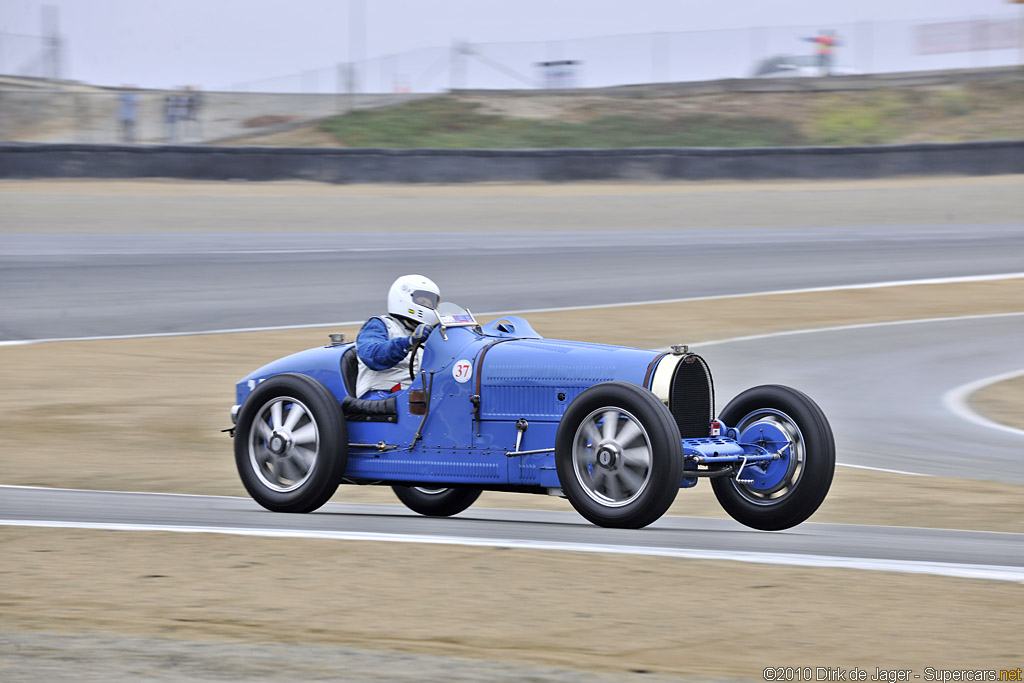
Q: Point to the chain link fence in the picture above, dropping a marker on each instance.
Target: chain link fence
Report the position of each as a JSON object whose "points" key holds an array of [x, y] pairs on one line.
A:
{"points": [[862, 48], [94, 115], [62, 111], [30, 56]]}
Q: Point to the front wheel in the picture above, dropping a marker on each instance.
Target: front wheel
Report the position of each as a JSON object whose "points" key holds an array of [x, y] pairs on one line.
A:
{"points": [[291, 444], [784, 492], [619, 456], [439, 502]]}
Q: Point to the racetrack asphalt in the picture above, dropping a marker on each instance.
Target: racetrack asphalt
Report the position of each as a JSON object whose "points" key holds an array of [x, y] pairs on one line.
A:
{"points": [[882, 386], [946, 552], [60, 286]]}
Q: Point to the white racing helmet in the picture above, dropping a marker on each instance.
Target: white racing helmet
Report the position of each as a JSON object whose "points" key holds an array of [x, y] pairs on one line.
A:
{"points": [[412, 296]]}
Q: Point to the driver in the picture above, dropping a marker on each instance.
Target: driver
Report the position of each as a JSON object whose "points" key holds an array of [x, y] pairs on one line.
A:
{"points": [[384, 342]]}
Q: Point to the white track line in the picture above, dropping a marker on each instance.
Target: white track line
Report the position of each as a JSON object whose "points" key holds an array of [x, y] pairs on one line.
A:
{"points": [[373, 507], [857, 326], [196, 333], [347, 323], [883, 469], [805, 290], [955, 400], [965, 571], [125, 493]]}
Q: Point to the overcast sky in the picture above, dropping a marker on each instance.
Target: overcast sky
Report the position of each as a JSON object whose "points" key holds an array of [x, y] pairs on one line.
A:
{"points": [[214, 43]]}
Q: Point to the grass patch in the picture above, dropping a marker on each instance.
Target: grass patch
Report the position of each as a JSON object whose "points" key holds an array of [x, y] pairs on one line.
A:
{"points": [[874, 120], [948, 113], [447, 123], [974, 111]]}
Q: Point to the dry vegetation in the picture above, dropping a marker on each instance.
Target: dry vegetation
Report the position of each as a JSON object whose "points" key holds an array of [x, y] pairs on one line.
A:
{"points": [[935, 113]]}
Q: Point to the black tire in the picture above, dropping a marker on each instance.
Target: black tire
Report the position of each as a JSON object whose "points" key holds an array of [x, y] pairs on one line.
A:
{"points": [[439, 502], [809, 470], [624, 476], [280, 474]]}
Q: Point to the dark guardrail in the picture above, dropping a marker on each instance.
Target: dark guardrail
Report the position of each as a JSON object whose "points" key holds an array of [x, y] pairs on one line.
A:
{"points": [[30, 160]]}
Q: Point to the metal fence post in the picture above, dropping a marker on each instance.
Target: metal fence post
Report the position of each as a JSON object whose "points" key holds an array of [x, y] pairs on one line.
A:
{"points": [[661, 55]]}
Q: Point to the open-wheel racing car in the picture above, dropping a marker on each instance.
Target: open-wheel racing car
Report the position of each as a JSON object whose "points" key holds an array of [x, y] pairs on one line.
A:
{"points": [[616, 430]]}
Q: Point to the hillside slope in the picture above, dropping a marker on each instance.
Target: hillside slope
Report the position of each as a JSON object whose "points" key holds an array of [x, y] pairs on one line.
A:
{"points": [[953, 112]]}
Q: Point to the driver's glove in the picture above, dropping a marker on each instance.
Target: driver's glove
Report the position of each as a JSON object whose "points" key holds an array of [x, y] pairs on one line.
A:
{"points": [[423, 331]]}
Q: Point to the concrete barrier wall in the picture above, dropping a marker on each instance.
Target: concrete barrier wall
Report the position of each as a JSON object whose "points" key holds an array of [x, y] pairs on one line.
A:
{"points": [[459, 166]]}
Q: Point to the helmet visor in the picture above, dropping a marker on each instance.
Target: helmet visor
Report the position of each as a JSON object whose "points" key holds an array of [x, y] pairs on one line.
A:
{"points": [[422, 297]]}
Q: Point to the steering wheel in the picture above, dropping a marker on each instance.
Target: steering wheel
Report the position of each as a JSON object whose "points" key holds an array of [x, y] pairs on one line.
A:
{"points": [[412, 360], [412, 356]]}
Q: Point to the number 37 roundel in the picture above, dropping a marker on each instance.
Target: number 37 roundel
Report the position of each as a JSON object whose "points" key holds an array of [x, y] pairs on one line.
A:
{"points": [[462, 371]]}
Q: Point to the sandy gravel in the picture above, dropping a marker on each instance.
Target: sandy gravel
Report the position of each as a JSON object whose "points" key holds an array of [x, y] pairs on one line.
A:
{"points": [[1002, 402], [600, 613], [32, 656], [102, 206]]}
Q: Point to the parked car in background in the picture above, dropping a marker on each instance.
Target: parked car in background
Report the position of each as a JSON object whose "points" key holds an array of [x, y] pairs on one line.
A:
{"points": [[781, 66]]}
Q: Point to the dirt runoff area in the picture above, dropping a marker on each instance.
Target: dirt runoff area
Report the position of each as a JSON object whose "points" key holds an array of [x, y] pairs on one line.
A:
{"points": [[1002, 402], [128, 206], [477, 611]]}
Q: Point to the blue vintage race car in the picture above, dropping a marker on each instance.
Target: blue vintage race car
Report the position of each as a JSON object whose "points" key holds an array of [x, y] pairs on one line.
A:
{"points": [[616, 430]]}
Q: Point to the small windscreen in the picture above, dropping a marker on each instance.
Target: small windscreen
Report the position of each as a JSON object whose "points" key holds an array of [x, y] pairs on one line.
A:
{"points": [[453, 315]]}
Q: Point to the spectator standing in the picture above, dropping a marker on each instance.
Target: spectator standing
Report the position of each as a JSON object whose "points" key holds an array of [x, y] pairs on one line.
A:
{"points": [[825, 44], [170, 117], [127, 113], [182, 115], [193, 102]]}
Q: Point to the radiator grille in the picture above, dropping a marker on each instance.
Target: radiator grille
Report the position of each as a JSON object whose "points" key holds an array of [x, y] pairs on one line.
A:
{"points": [[692, 398]]}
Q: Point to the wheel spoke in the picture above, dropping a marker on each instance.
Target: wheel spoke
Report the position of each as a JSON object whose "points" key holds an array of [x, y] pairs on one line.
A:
{"points": [[637, 458], [265, 431], [610, 425], [294, 414], [613, 436], [272, 469], [288, 469], [292, 424], [586, 457], [613, 488], [629, 433], [304, 434], [631, 479], [263, 455], [304, 456]]}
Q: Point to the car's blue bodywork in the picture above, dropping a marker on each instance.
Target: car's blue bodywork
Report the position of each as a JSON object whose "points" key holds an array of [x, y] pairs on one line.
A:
{"points": [[495, 395]]}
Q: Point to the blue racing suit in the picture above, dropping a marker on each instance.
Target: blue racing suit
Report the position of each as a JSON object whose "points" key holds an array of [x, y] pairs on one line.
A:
{"points": [[380, 350]]}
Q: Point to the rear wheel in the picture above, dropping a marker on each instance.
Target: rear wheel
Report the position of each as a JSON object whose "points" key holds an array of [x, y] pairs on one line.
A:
{"points": [[291, 444], [436, 502], [784, 492], [619, 456]]}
